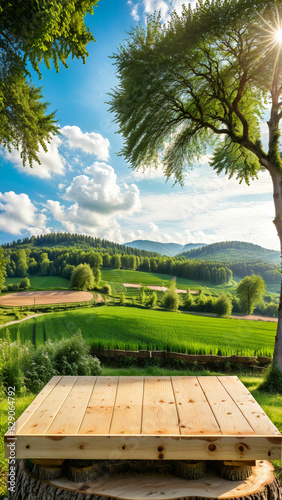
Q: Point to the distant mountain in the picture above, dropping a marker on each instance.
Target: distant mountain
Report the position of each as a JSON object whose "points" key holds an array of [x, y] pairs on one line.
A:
{"points": [[169, 249], [233, 251]]}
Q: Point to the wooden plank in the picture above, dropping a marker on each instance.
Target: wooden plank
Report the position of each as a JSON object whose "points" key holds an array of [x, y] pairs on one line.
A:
{"points": [[23, 419], [43, 416], [230, 419], [148, 447], [194, 412], [251, 410], [128, 406], [159, 408], [99, 411], [71, 413]]}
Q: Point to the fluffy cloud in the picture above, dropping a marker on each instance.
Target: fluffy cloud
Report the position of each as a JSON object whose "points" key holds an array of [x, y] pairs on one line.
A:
{"points": [[91, 143], [19, 214], [134, 10], [52, 162], [162, 6], [97, 201]]}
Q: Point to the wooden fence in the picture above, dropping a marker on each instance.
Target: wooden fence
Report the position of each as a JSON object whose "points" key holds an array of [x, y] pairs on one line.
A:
{"points": [[252, 361]]}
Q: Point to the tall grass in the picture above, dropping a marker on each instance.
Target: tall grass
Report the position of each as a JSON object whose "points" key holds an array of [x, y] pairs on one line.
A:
{"points": [[138, 328]]}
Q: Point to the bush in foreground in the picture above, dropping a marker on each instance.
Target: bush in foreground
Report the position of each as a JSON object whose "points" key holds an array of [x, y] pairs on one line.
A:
{"points": [[273, 380]]}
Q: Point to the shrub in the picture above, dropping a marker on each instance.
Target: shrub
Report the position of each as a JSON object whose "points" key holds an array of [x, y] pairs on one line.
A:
{"points": [[142, 295], [188, 301], [106, 289], [24, 284], [223, 305], [273, 380], [171, 298], [14, 357], [42, 367], [72, 357], [152, 300], [122, 300]]}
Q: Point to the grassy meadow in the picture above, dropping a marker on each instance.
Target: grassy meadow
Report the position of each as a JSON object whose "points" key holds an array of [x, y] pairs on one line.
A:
{"points": [[140, 328], [42, 282]]}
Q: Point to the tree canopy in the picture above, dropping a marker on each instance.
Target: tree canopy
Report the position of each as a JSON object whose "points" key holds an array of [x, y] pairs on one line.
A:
{"points": [[250, 292], [199, 82], [82, 277], [32, 33], [2, 269], [202, 83]]}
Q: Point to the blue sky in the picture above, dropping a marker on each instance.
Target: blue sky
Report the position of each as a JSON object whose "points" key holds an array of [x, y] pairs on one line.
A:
{"points": [[83, 186]]}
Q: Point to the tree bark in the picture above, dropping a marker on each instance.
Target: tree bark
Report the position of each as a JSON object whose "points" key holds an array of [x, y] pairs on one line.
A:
{"points": [[29, 487], [277, 196]]}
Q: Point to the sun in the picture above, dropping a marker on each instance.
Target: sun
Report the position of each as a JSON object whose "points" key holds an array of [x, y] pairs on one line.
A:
{"points": [[278, 36]]}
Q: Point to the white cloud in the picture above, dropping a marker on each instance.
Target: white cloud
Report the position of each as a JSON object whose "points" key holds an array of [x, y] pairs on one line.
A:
{"points": [[18, 214], [162, 6], [52, 162], [97, 202], [134, 10], [91, 143]]}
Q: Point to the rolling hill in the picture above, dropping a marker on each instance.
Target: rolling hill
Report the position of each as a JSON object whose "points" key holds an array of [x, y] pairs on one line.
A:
{"points": [[233, 251], [169, 249]]}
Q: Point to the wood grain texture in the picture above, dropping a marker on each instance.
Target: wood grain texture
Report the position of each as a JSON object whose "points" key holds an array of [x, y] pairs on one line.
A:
{"points": [[127, 415], [229, 417], [203, 418], [251, 410], [159, 409], [148, 447], [99, 411], [42, 418], [195, 414], [73, 407]]}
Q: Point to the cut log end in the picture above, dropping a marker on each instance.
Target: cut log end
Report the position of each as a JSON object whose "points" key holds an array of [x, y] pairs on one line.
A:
{"points": [[261, 485]]}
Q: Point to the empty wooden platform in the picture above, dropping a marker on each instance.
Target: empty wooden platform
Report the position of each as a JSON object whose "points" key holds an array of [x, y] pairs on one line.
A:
{"points": [[208, 418]]}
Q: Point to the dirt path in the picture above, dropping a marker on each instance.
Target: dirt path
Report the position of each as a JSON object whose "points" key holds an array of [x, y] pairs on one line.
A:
{"points": [[158, 288], [45, 297], [23, 319], [238, 316]]}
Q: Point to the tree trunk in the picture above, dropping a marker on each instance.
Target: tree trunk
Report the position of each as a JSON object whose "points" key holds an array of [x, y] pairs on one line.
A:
{"points": [[262, 485], [277, 196]]}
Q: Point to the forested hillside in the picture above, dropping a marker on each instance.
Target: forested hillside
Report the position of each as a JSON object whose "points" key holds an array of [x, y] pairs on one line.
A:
{"points": [[233, 251], [57, 254]]}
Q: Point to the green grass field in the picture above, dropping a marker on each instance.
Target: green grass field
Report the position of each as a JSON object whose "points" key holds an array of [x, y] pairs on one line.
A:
{"points": [[155, 279], [128, 328], [42, 282]]}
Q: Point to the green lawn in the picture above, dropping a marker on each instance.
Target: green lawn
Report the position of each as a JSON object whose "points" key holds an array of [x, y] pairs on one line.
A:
{"points": [[155, 279], [42, 282], [272, 405], [136, 328]]}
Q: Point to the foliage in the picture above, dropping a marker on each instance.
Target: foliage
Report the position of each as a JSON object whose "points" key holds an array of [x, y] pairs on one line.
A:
{"points": [[24, 283], [13, 360], [250, 292], [189, 301], [72, 357], [106, 289], [2, 269], [223, 305], [273, 380], [142, 295], [122, 300], [62, 357], [171, 298], [82, 277], [32, 32], [152, 301]]}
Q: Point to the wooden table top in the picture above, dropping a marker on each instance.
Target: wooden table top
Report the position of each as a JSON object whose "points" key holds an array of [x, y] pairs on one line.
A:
{"points": [[210, 418]]}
